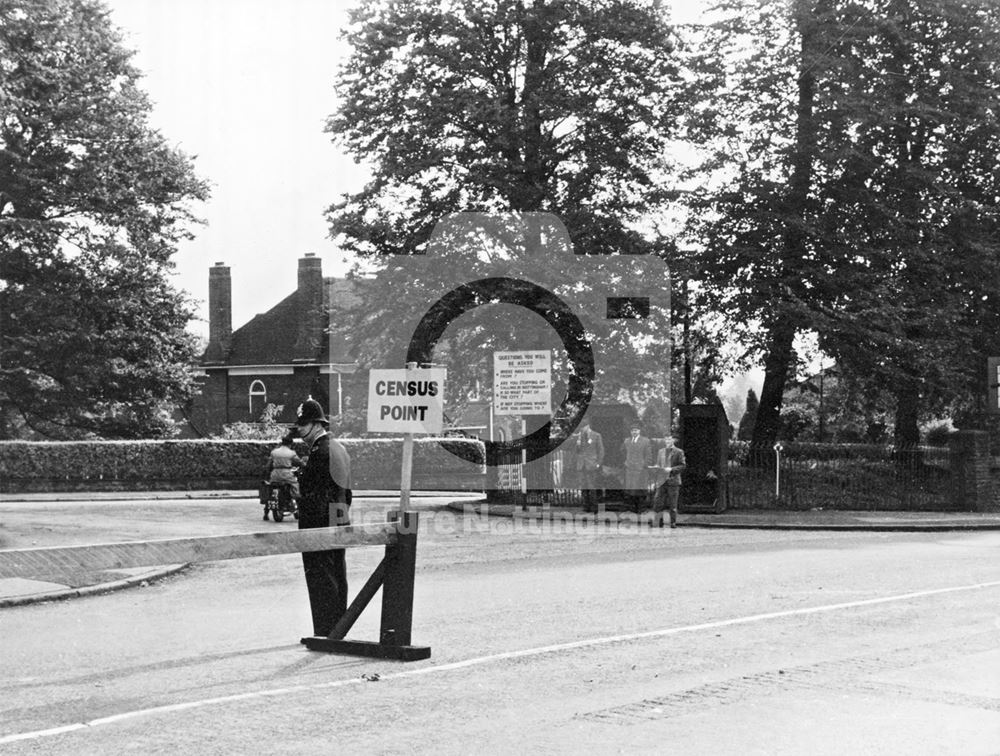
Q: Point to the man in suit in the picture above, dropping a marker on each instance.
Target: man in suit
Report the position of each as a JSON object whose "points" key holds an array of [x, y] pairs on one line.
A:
{"points": [[670, 463], [638, 456], [589, 458], [325, 488]]}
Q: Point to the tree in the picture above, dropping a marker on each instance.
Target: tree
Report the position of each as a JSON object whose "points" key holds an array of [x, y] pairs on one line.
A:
{"points": [[846, 410], [749, 419], [92, 204], [921, 190], [698, 335], [857, 143], [753, 112], [565, 107]]}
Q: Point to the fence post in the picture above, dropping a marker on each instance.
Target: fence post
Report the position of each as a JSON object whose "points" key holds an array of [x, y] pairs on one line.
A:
{"points": [[777, 473]]}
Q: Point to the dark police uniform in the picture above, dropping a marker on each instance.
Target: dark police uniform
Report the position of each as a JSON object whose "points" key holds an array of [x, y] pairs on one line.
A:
{"points": [[325, 501]]}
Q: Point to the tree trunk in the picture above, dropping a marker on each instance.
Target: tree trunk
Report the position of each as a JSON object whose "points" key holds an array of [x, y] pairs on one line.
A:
{"points": [[776, 367], [907, 432], [781, 332], [532, 182]]}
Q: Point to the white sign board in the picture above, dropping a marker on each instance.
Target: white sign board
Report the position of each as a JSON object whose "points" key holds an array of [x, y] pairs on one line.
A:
{"points": [[522, 383], [406, 401]]}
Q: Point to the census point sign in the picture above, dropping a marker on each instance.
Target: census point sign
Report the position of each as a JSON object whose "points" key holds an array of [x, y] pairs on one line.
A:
{"points": [[406, 401]]}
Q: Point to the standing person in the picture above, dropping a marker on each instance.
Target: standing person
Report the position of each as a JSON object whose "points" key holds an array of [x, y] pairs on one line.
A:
{"points": [[589, 458], [281, 466], [670, 462], [638, 456], [325, 501]]}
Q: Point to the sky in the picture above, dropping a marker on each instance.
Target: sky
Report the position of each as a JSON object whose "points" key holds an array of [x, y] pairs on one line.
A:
{"points": [[245, 86]]}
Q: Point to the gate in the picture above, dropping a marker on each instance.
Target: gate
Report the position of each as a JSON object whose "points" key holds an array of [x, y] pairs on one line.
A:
{"points": [[394, 574]]}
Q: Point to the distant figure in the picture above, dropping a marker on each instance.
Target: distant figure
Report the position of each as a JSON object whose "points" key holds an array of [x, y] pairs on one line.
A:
{"points": [[670, 463], [589, 450], [638, 455]]}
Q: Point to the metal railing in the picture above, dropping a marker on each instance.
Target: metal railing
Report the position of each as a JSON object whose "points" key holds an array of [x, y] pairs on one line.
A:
{"points": [[554, 481], [549, 481], [804, 476], [800, 476]]}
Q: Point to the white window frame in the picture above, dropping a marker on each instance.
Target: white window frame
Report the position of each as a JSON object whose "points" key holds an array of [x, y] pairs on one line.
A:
{"points": [[251, 393]]}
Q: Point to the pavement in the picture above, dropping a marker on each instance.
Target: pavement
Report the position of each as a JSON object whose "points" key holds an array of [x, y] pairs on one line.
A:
{"points": [[175, 495], [21, 591], [770, 519]]}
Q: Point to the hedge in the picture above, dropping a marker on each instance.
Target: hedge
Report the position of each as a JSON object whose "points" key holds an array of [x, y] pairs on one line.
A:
{"points": [[27, 466]]}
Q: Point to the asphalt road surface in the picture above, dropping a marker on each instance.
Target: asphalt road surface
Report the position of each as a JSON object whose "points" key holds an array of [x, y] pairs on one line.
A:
{"points": [[545, 638]]}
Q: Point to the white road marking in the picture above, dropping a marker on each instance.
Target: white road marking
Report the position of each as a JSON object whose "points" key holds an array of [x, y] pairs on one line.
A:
{"points": [[481, 660]]}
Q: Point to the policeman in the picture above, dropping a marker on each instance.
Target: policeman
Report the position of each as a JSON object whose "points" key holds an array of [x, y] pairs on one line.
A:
{"points": [[325, 487]]}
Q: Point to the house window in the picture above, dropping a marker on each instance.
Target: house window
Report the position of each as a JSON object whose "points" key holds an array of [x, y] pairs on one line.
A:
{"points": [[257, 399]]}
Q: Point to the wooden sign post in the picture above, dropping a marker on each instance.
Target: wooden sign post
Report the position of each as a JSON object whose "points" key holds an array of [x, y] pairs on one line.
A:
{"points": [[406, 473]]}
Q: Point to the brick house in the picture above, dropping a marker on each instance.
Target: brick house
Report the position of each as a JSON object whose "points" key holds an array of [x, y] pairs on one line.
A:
{"points": [[288, 353], [280, 357]]}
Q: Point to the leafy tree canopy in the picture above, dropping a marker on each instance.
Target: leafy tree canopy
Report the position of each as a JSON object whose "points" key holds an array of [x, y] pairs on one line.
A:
{"points": [[562, 107], [857, 146], [745, 429], [92, 204]]}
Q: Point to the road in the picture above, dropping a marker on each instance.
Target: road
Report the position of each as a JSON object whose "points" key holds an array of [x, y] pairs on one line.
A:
{"points": [[545, 639]]}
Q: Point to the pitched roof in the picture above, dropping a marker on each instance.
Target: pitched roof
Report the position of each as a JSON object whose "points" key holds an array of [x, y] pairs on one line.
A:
{"points": [[269, 338]]}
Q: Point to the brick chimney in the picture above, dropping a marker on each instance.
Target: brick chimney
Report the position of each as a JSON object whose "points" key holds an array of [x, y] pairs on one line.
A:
{"points": [[312, 316], [220, 313]]}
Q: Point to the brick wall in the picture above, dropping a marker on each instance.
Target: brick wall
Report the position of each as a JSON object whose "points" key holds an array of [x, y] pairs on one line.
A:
{"points": [[283, 390], [208, 408]]}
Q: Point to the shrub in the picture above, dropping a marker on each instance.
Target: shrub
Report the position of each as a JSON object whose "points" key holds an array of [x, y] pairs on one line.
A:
{"points": [[937, 434], [191, 464], [266, 428]]}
